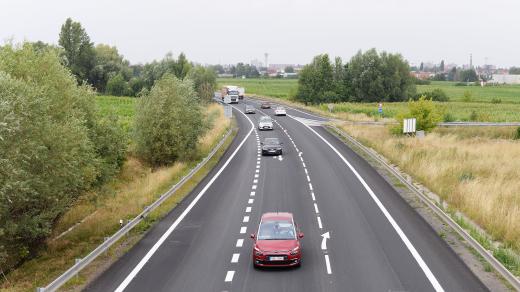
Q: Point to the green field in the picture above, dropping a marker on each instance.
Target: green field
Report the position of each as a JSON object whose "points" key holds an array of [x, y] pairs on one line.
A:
{"points": [[121, 106], [281, 88], [508, 110], [506, 93]]}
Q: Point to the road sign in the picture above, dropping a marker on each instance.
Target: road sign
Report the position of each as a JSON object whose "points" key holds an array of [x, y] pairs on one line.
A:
{"points": [[409, 126], [228, 111]]}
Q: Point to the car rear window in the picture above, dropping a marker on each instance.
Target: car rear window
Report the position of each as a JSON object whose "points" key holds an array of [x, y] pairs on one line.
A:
{"points": [[276, 230]]}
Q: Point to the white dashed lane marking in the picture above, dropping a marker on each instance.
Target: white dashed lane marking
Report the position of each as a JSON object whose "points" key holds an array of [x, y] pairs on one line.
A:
{"points": [[246, 219], [254, 187], [252, 194], [248, 209], [240, 242], [243, 229], [319, 223], [316, 208], [229, 276], [234, 258]]}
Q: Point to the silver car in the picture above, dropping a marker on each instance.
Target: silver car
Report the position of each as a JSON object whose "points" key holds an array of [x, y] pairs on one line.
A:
{"points": [[265, 123]]}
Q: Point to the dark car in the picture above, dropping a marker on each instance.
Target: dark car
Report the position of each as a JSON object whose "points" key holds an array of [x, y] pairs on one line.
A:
{"points": [[277, 242], [249, 110], [272, 146], [265, 105]]}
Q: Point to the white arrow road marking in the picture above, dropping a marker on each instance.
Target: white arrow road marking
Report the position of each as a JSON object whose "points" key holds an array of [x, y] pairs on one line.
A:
{"points": [[422, 264], [325, 236]]}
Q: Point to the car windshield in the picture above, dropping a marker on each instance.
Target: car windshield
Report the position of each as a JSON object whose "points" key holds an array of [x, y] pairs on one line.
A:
{"points": [[271, 141], [232, 92], [276, 230], [280, 108], [265, 119]]}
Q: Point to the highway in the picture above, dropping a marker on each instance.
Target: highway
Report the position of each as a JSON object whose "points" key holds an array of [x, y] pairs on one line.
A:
{"points": [[360, 235]]}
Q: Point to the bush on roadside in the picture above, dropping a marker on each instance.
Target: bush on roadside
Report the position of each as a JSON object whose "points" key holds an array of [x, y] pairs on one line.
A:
{"points": [[436, 95], [496, 100], [168, 122], [517, 134], [52, 147], [426, 112]]}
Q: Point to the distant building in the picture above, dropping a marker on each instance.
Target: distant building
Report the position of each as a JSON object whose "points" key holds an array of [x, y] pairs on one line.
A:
{"points": [[505, 79], [422, 75]]}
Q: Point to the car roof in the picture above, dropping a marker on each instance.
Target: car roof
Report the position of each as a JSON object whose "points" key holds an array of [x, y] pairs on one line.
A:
{"points": [[273, 216]]}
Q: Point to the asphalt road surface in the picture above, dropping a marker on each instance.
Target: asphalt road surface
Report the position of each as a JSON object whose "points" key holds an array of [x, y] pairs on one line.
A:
{"points": [[360, 235]]}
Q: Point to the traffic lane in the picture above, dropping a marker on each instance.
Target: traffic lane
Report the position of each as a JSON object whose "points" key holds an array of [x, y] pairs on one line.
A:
{"points": [[206, 220], [448, 268], [284, 188], [290, 110], [445, 264], [363, 243]]}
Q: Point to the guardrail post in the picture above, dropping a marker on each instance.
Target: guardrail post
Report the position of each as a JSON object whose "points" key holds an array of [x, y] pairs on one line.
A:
{"points": [[40, 289], [76, 261]]}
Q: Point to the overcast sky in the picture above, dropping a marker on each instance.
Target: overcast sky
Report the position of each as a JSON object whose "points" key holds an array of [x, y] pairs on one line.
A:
{"points": [[291, 31]]}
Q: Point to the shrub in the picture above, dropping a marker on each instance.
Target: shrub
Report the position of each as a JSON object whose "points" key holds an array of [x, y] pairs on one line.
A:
{"points": [[118, 86], [168, 122], [473, 116], [467, 97], [448, 117], [517, 134], [427, 113], [50, 147], [436, 95], [496, 100], [418, 81]]}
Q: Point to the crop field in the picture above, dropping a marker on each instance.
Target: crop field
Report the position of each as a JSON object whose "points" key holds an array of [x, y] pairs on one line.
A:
{"points": [[504, 93], [120, 106], [478, 108]]}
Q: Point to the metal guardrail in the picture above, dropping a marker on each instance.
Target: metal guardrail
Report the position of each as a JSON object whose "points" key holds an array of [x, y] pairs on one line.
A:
{"points": [[109, 241], [487, 255]]}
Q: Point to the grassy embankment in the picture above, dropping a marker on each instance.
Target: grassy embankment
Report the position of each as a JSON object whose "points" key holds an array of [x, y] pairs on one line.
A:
{"points": [[474, 170], [123, 198], [479, 108]]}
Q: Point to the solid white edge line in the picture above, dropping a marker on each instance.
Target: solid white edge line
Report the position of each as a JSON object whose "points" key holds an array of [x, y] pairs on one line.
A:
{"points": [[240, 242], [234, 258], [229, 276], [426, 270], [327, 263], [161, 240]]}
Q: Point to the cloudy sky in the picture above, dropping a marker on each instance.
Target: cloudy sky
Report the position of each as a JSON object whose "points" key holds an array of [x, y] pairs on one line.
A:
{"points": [[291, 31]]}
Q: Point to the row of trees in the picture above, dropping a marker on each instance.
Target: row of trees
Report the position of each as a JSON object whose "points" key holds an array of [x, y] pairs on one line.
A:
{"points": [[103, 67], [367, 77], [53, 146]]}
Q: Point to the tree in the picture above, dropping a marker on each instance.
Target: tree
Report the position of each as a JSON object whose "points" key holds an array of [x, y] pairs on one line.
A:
{"points": [[468, 75], [204, 81], [316, 79], [53, 147], [514, 70], [289, 69], [79, 51], [442, 66], [108, 63], [168, 122], [117, 86], [373, 77], [422, 67]]}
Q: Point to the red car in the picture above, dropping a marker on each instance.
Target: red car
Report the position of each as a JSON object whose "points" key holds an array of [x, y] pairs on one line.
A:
{"points": [[277, 242]]}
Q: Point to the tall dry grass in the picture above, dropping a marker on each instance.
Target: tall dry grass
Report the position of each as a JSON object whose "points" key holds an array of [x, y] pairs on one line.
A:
{"points": [[471, 169], [135, 187]]}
